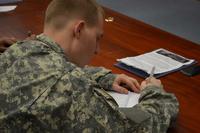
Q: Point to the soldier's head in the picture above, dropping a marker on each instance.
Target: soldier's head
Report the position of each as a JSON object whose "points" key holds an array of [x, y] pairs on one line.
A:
{"points": [[77, 26]]}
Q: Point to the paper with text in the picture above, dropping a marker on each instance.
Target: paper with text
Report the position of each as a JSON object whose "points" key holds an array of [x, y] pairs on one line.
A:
{"points": [[163, 60]]}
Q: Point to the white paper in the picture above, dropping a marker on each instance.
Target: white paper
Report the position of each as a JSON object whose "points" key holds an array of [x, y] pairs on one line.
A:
{"points": [[162, 59], [7, 8], [125, 100]]}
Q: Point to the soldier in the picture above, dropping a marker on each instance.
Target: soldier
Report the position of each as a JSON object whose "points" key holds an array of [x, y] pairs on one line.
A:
{"points": [[45, 86]]}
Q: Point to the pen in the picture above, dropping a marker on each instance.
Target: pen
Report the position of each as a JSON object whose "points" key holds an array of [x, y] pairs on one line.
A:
{"points": [[152, 72]]}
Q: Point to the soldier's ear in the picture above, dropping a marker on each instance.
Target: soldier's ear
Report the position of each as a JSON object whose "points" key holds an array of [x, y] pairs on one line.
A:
{"points": [[78, 29]]}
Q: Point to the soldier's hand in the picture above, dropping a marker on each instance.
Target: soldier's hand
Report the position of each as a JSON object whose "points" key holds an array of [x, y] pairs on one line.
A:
{"points": [[123, 83], [150, 82], [5, 42]]}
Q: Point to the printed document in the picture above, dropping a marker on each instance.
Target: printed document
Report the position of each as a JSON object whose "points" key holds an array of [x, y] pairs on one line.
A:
{"points": [[161, 59]]}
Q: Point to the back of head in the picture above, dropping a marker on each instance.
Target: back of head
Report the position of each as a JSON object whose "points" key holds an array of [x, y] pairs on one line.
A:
{"points": [[59, 12]]}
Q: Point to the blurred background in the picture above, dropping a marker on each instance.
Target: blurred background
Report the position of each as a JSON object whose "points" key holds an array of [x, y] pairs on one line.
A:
{"points": [[179, 17]]}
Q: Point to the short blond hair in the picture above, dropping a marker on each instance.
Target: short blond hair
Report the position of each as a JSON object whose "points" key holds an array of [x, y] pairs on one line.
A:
{"points": [[59, 12]]}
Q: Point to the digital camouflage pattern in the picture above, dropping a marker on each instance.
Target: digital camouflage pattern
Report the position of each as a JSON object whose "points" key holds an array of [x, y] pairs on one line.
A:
{"points": [[41, 91]]}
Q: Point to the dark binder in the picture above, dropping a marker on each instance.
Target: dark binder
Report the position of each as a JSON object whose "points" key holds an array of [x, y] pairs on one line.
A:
{"points": [[144, 74], [3, 2]]}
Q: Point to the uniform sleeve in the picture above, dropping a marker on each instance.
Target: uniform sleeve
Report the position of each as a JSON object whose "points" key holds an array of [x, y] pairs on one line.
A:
{"points": [[156, 111], [101, 75], [77, 104]]}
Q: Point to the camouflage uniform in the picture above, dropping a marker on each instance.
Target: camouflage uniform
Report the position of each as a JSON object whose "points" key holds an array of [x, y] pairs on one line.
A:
{"points": [[41, 91]]}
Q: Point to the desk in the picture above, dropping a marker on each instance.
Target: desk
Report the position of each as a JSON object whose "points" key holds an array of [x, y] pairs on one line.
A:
{"points": [[124, 37]]}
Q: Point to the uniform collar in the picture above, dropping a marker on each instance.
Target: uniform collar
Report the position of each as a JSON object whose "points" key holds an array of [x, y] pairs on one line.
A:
{"points": [[47, 40]]}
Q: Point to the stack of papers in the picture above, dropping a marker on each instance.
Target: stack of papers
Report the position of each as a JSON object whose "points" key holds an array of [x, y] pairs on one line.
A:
{"points": [[163, 60], [125, 100]]}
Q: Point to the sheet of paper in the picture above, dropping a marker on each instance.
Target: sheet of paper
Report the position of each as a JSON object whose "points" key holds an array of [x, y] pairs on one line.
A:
{"points": [[7, 8], [162, 59], [125, 100]]}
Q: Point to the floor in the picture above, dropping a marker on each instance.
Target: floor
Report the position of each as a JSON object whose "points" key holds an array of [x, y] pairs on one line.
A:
{"points": [[179, 17]]}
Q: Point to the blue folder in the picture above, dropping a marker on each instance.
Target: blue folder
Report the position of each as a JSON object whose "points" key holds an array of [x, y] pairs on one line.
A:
{"points": [[9, 1], [144, 74]]}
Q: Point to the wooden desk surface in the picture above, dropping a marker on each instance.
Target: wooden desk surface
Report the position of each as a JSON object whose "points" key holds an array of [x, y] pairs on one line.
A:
{"points": [[124, 37]]}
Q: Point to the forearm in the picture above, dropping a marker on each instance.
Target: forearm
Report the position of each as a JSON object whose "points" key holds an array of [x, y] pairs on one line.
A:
{"points": [[156, 101], [155, 111]]}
